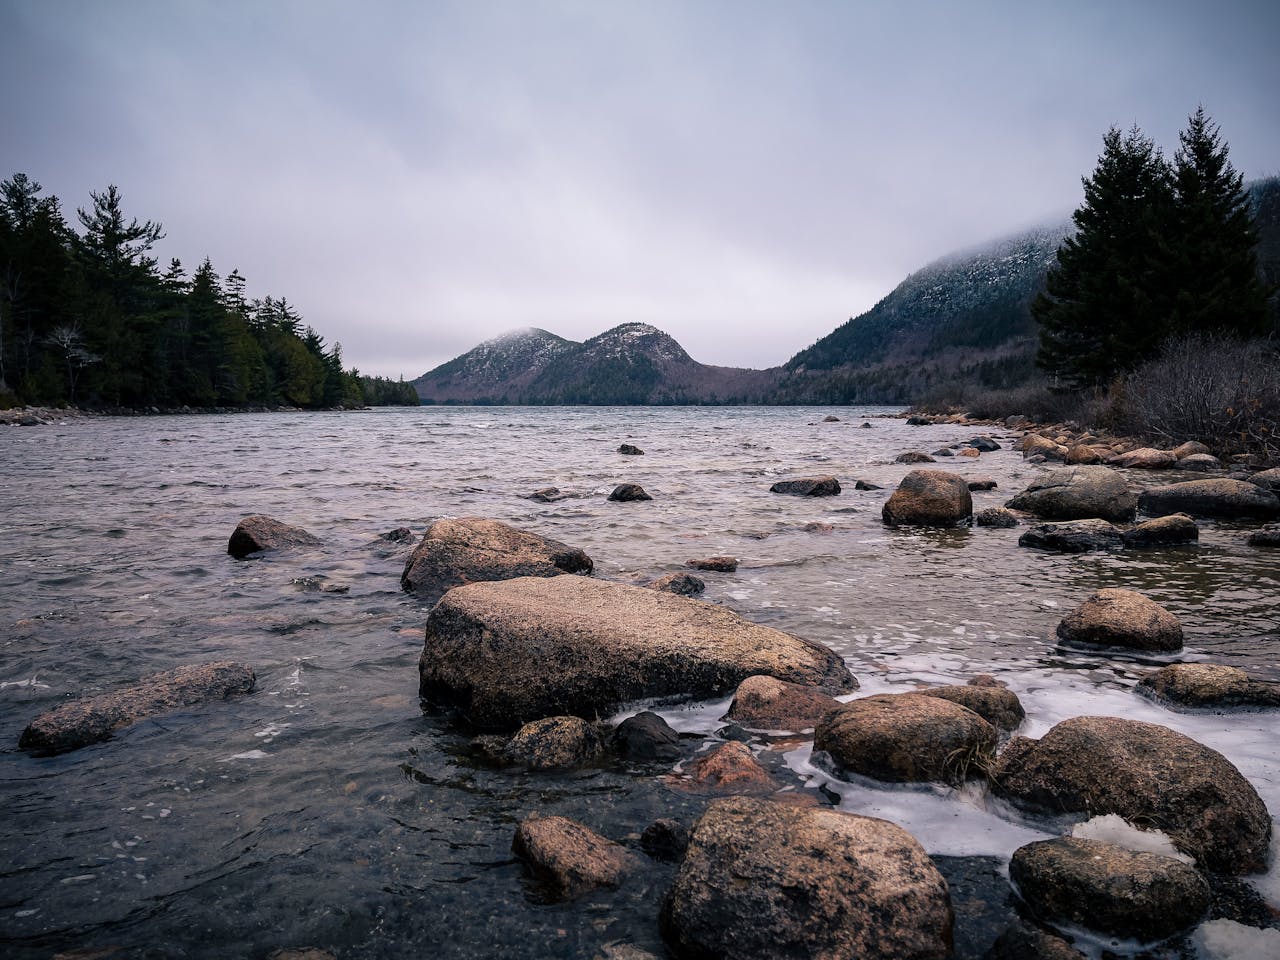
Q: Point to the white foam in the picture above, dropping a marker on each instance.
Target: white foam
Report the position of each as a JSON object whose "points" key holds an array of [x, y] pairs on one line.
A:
{"points": [[1114, 829], [247, 755], [1228, 940]]}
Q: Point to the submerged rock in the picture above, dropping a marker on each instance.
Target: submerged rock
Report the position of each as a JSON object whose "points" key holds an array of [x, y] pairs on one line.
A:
{"points": [[913, 456], [1177, 528], [1073, 536], [1121, 618], [764, 879], [1145, 773], [1208, 686], [257, 533], [1220, 497], [628, 493], [568, 859], [808, 487], [646, 737], [929, 498], [1125, 893], [1264, 538], [1021, 941], [767, 703], [94, 719], [1079, 493], [555, 743], [683, 584], [730, 768], [997, 705], [547, 495], [514, 650], [979, 484], [714, 564], [629, 450], [907, 738], [995, 517], [665, 839]]}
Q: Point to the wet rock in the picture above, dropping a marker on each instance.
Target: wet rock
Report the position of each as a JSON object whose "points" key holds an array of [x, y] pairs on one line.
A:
{"points": [[1268, 480], [470, 549], [629, 493], [864, 425], [547, 495], [94, 719], [1265, 538], [1145, 458], [491, 749], [830, 419], [665, 839], [1191, 448], [1220, 497], [1079, 493], [629, 450], [817, 526], [646, 737], [969, 452], [398, 535], [913, 456], [996, 704], [978, 484], [764, 879], [257, 533], [1121, 618], [995, 517], [918, 421], [984, 443], [1208, 686], [682, 584], [864, 485], [1073, 536], [929, 498], [1125, 893], [555, 743], [808, 487], [1034, 445], [1082, 455], [509, 651], [1021, 941], [568, 859], [767, 703], [730, 768], [301, 953], [907, 738], [1177, 528], [714, 564], [944, 452], [1200, 463], [1144, 773]]}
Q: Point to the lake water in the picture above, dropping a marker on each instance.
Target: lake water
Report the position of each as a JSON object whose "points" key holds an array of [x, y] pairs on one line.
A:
{"points": [[327, 810]]}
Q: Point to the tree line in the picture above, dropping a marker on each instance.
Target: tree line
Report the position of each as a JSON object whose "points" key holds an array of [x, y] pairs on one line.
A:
{"points": [[88, 317]]}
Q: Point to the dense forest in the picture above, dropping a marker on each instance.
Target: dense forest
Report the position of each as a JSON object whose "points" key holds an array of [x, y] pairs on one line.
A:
{"points": [[88, 318]]}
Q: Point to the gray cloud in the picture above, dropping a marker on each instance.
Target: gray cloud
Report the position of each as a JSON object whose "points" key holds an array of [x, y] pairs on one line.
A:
{"points": [[417, 177]]}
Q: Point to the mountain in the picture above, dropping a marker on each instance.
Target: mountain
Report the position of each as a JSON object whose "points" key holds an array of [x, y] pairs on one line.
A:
{"points": [[634, 363]]}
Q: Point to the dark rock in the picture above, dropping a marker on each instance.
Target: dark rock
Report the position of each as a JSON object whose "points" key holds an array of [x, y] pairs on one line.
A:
{"points": [[256, 533], [1220, 497], [491, 748], [1078, 493], [767, 703], [808, 487], [627, 450], [555, 743], [863, 485], [1200, 463], [1073, 536], [508, 651], [683, 584], [471, 549], [830, 419], [729, 769], [1121, 618], [913, 456], [665, 839], [817, 526], [918, 421], [646, 737], [1147, 458], [979, 484], [930, 498], [398, 535], [628, 493], [944, 452], [1208, 686], [864, 425], [995, 517], [984, 443], [907, 738], [94, 719], [1265, 538], [997, 705], [1145, 773], [714, 564], [547, 495], [765, 879], [1020, 941], [1177, 528], [568, 859], [1125, 893]]}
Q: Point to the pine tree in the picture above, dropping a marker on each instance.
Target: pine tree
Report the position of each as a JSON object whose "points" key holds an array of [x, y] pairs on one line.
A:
{"points": [[1104, 308]]}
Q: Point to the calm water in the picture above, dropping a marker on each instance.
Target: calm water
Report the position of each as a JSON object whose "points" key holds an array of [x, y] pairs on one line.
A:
{"points": [[326, 810]]}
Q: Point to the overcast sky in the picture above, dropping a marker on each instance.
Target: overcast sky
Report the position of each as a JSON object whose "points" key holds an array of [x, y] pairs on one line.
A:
{"points": [[419, 176]]}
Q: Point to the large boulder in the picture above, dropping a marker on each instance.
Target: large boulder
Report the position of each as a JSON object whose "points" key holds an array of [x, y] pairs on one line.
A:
{"points": [[1073, 536], [1208, 686], [1124, 893], [1146, 458], [764, 879], [1079, 493], [257, 533], [568, 859], [1268, 480], [1219, 497], [1191, 448], [1200, 463], [511, 651], [471, 549], [94, 719], [907, 738], [929, 498], [1144, 773], [1114, 617], [1177, 528], [767, 703], [808, 487], [997, 705]]}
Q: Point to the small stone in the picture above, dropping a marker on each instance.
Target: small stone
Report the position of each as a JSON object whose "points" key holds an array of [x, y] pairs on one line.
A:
{"points": [[864, 485], [913, 456], [808, 487], [555, 743], [681, 584], [646, 737], [978, 484], [398, 535], [628, 493], [257, 533], [944, 452], [969, 452], [546, 495], [567, 858], [1200, 463], [714, 564], [984, 443], [995, 517], [730, 769], [766, 703], [1073, 536], [665, 839], [628, 450]]}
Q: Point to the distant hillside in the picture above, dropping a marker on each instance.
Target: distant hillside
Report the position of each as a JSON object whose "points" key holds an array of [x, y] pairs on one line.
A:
{"points": [[494, 370]]}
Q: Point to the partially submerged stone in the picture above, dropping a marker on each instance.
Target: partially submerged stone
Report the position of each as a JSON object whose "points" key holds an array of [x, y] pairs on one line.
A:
{"points": [[767, 703], [1103, 887], [827, 486], [1146, 774], [666, 839], [630, 450], [913, 456], [997, 517], [714, 564], [1208, 686], [547, 495], [94, 719], [1268, 480], [683, 584], [470, 549], [1073, 536], [1022, 941], [629, 493], [979, 484], [929, 498], [1145, 458], [907, 738], [764, 879], [1175, 529], [257, 533], [983, 443], [997, 705], [1200, 463], [1078, 493], [1033, 445], [555, 743], [511, 651], [646, 737], [730, 768], [1191, 448], [1219, 498], [568, 859], [1121, 618], [1265, 538]]}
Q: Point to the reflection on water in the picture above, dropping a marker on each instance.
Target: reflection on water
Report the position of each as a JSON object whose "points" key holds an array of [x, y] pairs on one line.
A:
{"points": [[328, 810]]}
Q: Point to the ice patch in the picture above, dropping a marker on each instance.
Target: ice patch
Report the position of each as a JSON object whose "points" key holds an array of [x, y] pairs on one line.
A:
{"points": [[1228, 940], [1114, 829]]}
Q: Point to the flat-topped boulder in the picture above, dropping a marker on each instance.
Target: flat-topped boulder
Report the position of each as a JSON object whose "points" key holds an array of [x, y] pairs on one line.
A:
{"points": [[1145, 773], [1145, 458], [932, 498], [714, 564], [1218, 497], [510, 651], [1104, 887], [1200, 463], [1208, 686], [258, 533], [1114, 617], [1192, 448], [1073, 536], [1079, 493], [906, 738], [94, 719], [808, 487], [470, 549], [765, 879], [568, 859], [767, 703], [1175, 529]]}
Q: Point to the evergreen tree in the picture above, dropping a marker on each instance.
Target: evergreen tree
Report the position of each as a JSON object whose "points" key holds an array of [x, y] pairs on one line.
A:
{"points": [[1104, 308], [1213, 265]]}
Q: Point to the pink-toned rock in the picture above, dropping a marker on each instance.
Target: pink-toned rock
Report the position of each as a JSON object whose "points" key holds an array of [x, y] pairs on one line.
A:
{"points": [[729, 769], [767, 703], [569, 859], [929, 498], [1121, 618], [1145, 458]]}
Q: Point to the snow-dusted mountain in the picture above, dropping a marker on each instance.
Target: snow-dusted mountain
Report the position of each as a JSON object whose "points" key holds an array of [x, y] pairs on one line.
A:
{"points": [[495, 368]]}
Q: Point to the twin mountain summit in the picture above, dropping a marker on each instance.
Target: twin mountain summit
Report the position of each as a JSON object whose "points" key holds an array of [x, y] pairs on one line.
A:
{"points": [[962, 320]]}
